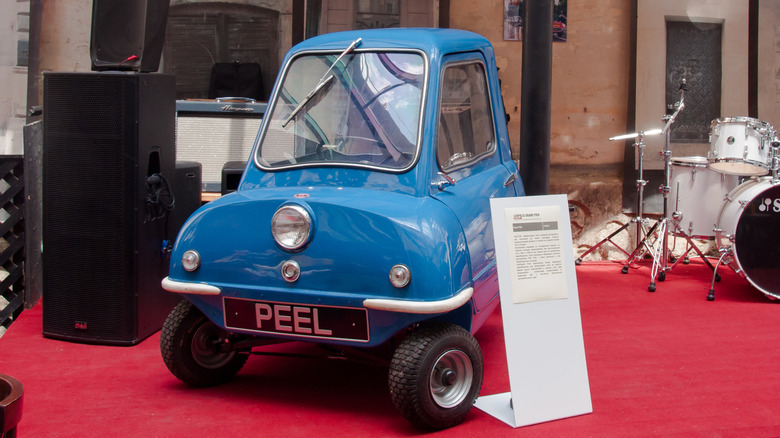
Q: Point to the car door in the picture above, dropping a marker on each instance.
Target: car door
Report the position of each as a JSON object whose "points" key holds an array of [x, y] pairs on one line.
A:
{"points": [[470, 171]]}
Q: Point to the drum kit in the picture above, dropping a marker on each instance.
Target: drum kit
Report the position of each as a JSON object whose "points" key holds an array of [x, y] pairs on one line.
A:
{"points": [[732, 196]]}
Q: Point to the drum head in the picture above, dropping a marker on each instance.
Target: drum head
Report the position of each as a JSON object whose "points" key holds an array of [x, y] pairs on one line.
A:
{"points": [[757, 241]]}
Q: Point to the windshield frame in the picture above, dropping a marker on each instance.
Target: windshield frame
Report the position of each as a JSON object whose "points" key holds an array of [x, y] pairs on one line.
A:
{"points": [[275, 99]]}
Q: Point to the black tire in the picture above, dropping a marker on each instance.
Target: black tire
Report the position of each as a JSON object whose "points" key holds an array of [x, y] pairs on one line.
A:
{"points": [[435, 375], [188, 343]]}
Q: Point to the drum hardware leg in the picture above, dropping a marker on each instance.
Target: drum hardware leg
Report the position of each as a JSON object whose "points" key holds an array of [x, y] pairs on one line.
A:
{"points": [[641, 229], [660, 255], [690, 246], [642, 248], [715, 277], [608, 239], [775, 160]]}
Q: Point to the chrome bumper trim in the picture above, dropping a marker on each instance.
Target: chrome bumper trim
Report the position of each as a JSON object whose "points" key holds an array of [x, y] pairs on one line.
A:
{"points": [[189, 288], [420, 307]]}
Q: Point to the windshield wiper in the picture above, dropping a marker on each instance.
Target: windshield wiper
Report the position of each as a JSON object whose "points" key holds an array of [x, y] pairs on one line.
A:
{"points": [[326, 78], [311, 95]]}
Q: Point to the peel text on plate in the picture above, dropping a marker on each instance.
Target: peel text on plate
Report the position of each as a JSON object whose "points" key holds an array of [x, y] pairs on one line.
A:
{"points": [[293, 319]]}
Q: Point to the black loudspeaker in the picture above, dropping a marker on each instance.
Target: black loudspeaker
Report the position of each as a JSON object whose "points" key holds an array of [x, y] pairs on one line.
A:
{"points": [[232, 172], [154, 34], [186, 186], [128, 34], [236, 79], [108, 141]]}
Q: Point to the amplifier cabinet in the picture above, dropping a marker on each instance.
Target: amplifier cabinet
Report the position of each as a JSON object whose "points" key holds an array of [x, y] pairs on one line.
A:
{"points": [[214, 132]]}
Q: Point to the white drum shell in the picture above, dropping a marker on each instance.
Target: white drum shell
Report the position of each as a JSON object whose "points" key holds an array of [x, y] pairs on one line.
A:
{"points": [[740, 146], [697, 194]]}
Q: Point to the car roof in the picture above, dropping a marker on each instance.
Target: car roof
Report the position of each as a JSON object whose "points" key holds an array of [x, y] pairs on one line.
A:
{"points": [[433, 41]]}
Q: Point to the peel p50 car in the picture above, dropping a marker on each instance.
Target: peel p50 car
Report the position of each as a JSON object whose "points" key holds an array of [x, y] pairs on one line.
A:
{"points": [[362, 220]]}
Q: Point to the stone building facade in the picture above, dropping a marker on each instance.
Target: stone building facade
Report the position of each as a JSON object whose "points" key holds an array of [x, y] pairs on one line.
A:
{"points": [[609, 77]]}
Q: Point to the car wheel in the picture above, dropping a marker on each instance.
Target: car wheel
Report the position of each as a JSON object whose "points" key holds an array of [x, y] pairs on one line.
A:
{"points": [[189, 344], [435, 375]]}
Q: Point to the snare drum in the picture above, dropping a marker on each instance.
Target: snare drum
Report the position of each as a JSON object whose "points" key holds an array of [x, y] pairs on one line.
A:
{"points": [[697, 194], [740, 146], [749, 224]]}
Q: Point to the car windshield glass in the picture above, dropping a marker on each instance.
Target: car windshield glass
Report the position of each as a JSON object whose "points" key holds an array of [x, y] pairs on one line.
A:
{"points": [[368, 114]]}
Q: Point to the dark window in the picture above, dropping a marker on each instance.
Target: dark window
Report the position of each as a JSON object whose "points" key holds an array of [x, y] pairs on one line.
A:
{"points": [[465, 120], [375, 14], [693, 53], [203, 34]]}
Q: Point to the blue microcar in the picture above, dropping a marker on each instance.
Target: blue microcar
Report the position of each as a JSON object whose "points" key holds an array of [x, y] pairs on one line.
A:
{"points": [[362, 220]]}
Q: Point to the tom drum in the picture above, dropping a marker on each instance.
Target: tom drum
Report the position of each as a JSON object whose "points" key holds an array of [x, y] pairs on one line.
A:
{"points": [[740, 146]]}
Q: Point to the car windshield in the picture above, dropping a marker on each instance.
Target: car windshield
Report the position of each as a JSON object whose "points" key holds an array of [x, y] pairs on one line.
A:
{"points": [[364, 111]]}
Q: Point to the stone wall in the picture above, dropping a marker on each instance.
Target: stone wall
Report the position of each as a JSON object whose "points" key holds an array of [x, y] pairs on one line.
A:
{"points": [[590, 86]]}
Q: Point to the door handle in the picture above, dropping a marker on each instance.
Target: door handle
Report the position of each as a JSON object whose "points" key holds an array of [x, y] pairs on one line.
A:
{"points": [[512, 178]]}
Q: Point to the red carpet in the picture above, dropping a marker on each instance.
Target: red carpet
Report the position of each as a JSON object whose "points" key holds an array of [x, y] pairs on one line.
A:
{"points": [[667, 363]]}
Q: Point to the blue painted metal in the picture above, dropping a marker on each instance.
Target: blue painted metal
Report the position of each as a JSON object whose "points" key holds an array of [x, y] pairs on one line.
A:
{"points": [[364, 220]]}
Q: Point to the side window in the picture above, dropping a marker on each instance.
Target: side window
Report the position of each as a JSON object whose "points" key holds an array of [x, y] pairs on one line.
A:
{"points": [[465, 128]]}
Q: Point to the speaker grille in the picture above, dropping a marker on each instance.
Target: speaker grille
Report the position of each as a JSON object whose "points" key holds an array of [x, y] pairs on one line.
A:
{"points": [[93, 188]]}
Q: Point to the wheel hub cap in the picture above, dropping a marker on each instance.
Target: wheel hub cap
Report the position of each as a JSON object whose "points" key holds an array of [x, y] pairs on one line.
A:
{"points": [[205, 347], [451, 378]]}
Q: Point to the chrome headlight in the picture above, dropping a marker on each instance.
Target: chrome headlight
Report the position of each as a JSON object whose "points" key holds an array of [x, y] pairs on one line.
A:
{"points": [[291, 227], [400, 276], [190, 260]]}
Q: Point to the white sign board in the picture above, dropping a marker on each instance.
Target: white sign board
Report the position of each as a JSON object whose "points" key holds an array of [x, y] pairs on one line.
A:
{"points": [[548, 375]]}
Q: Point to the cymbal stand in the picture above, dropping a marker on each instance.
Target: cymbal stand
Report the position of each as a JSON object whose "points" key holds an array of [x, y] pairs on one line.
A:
{"points": [[727, 252], [661, 246], [641, 227]]}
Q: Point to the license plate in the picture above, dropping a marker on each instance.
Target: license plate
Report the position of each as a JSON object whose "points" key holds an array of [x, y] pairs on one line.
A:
{"points": [[300, 320]]}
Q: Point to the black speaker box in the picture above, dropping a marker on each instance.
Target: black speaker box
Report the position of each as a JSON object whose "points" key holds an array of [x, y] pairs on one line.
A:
{"points": [[186, 187], [128, 34], [154, 34], [236, 79], [105, 136], [232, 171]]}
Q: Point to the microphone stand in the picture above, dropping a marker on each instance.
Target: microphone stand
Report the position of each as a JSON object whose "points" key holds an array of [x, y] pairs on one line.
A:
{"points": [[662, 253]]}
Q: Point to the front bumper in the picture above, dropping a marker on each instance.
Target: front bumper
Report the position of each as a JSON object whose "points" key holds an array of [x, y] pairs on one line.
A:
{"points": [[386, 304], [311, 316]]}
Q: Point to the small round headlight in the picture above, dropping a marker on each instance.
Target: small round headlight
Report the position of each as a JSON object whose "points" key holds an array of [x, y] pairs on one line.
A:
{"points": [[190, 260], [400, 276], [291, 227]]}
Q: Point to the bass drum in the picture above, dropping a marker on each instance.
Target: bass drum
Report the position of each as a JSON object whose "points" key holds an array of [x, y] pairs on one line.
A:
{"points": [[749, 224]]}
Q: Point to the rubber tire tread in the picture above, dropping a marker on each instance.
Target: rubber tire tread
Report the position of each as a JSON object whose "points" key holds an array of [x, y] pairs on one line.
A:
{"points": [[420, 348], [175, 346]]}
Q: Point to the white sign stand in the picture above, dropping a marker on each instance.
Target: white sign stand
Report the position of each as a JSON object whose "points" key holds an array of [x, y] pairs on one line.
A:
{"points": [[548, 376]]}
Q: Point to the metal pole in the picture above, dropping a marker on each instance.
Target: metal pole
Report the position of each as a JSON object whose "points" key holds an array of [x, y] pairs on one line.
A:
{"points": [[536, 94]]}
